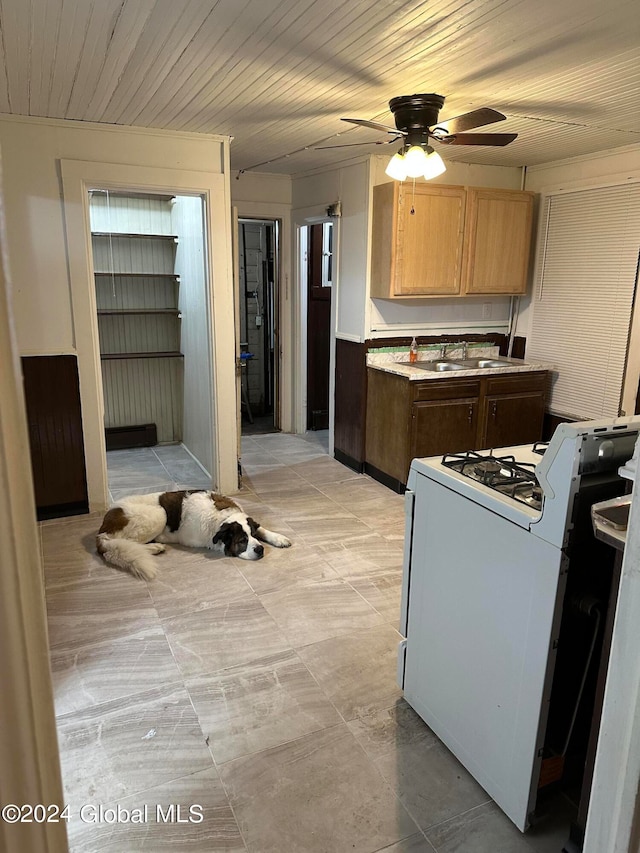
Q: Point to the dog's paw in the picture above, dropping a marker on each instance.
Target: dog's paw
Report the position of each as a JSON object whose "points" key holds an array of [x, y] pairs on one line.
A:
{"points": [[155, 548], [281, 541]]}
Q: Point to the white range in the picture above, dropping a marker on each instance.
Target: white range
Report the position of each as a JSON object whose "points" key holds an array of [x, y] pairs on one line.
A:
{"points": [[500, 572]]}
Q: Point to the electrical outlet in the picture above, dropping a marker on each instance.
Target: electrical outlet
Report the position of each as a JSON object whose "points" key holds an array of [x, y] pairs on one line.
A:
{"points": [[486, 310], [258, 321]]}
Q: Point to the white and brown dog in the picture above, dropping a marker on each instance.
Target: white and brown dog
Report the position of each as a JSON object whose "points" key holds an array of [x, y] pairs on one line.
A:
{"points": [[136, 528]]}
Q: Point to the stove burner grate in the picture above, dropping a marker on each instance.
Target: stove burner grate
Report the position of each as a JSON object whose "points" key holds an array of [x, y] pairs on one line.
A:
{"points": [[502, 473]]}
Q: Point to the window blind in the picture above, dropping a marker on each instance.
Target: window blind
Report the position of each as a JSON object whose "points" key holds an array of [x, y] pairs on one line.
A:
{"points": [[586, 274]]}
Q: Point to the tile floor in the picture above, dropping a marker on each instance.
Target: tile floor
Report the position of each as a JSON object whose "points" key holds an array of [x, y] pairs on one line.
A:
{"points": [[262, 692]]}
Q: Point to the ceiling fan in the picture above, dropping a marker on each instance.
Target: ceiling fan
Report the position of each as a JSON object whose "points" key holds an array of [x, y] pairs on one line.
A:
{"points": [[416, 118]]}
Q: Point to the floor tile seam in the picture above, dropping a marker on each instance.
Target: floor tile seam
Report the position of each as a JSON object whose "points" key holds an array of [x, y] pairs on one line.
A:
{"points": [[248, 595], [407, 809], [101, 709], [69, 519], [457, 815], [345, 719], [219, 673], [170, 685], [85, 581], [253, 661], [108, 643], [388, 785], [406, 837], [255, 752], [53, 588], [373, 607], [142, 791], [323, 582]]}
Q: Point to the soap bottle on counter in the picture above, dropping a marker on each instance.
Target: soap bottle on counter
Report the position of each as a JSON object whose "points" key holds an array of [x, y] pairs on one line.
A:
{"points": [[413, 352]]}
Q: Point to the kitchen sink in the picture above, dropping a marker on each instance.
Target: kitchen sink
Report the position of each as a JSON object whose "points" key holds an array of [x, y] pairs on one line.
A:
{"points": [[440, 366], [479, 363]]}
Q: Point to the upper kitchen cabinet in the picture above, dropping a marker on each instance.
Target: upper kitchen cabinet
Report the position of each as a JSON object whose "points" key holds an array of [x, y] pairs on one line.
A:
{"points": [[417, 240], [497, 241], [439, 240]]}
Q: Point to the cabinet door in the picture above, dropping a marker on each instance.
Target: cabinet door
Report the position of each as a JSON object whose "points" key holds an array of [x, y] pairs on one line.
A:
{"points": [[497, 241], [516, 419], [443, 426], [428, 241]]}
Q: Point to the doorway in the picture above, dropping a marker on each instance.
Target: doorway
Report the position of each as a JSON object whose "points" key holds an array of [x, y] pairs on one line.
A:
{"points": [[259, 271], [151, 296], [319, 276]]}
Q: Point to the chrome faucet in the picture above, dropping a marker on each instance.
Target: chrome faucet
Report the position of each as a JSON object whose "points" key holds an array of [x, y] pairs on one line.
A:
{"points": [[465, 347], [443, 351]]}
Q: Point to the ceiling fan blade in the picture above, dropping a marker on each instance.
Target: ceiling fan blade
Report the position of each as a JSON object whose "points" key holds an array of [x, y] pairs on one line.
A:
{"points": [[467, 121], [354, 144], [374, 124], [497, 139]]}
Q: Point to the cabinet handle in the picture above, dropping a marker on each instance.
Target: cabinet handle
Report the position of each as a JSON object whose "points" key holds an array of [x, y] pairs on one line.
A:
{"points": [[471, 413], [494, 409]]}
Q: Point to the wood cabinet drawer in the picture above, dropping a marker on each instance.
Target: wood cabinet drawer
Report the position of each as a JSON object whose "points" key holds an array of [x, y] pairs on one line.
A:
{"points": [[441, 390], [515, 383]]}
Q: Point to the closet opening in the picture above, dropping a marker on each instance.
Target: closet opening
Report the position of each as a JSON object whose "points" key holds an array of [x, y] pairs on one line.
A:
{"points": [[152, 300], [259, 272]]}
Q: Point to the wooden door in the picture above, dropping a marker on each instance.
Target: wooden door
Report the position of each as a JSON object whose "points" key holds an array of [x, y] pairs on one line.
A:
{"points": [[497, 241], [443, 426], [512, 420], [319, 276], [430, 225], [54, 415]]}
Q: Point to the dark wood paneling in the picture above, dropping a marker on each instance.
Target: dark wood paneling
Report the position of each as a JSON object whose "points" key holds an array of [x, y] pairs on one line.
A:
{"points": [[350, 400], [318, 335], [52, 396]]}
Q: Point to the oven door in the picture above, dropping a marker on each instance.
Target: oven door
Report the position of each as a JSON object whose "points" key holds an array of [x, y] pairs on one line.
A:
{"points": [[483, 614]]}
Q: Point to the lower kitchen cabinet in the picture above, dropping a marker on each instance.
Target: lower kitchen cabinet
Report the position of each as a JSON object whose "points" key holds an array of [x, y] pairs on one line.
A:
{"points": [[443, 426], [513, 410], [408, 419]]}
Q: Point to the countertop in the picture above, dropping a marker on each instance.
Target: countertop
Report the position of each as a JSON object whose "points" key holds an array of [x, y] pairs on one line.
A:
{"points": [[413, 373]]}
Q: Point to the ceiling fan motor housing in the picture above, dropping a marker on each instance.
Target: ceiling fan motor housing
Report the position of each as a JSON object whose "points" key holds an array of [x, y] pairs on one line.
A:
{"points": [[415, 114]]}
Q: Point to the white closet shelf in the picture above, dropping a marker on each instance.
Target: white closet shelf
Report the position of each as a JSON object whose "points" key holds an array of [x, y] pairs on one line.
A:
{"points": [[110, 356], [112, 311], [139, 274], [171, 237]]}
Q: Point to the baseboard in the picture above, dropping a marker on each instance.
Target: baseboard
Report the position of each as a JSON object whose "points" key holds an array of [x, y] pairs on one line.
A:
{"points": [[137, 435], [385, 479], [349, 461], [44, 513]]}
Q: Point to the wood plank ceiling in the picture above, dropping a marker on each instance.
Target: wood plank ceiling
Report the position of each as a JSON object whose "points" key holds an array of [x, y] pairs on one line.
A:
{"points": [[277, 75]]}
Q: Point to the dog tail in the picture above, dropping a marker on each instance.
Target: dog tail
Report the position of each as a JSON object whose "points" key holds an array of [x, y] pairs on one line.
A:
{"points": [[131, 556]]}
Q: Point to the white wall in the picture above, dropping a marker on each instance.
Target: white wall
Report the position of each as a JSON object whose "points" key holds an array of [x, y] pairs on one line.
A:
{"points": [[312, 194], [31, 150], [193, 298], [389, 317], [43, 264]]}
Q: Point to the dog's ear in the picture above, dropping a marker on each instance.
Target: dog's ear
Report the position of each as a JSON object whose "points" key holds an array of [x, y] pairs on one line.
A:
{"points": [[253, 525], [224, 534]]}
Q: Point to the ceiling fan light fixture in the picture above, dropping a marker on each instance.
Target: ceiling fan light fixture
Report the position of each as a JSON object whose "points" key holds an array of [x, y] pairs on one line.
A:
{"points": [[416, 162], [433, 164], [396, 168]]}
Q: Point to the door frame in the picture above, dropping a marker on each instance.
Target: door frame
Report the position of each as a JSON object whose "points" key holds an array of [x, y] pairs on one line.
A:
{"points": [[276, 319], [286, 368], [78, 177], [304, 217]]}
